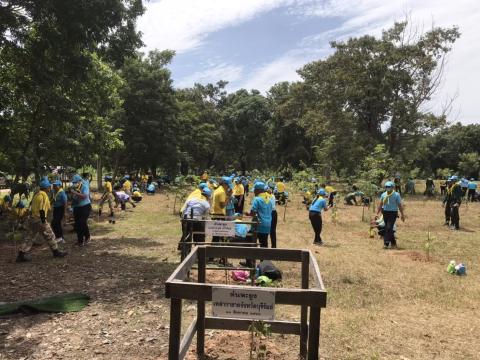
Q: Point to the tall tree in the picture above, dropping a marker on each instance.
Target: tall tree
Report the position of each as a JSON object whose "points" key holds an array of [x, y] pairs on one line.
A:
{"points": [[149, 125]]}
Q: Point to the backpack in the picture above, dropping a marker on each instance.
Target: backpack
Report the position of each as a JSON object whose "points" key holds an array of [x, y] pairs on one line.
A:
{"points": [[267, 268]]}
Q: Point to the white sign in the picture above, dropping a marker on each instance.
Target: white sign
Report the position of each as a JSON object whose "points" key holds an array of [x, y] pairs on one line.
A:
{"points": [[220, 228], [244, 304]]}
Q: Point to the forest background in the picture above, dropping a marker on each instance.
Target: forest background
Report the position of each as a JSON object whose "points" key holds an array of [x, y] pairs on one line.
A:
{"points": [[75, 91]]}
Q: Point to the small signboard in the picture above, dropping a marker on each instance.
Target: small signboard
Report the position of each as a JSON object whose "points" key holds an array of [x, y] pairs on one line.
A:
{"points": [[220, 228], [243, 303]]}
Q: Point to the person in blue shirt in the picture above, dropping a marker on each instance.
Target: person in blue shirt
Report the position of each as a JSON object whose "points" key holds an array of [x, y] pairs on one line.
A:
{"points": [[262, 208], [464, 186], [390, 204], [273, 226], [318, 205], [59, 203], [472, 190], [81, 208]]}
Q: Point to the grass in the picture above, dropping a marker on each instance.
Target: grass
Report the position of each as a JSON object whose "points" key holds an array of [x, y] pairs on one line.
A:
{"points": [[393, 304]]}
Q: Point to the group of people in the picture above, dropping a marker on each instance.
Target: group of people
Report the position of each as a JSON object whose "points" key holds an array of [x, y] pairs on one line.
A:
{"points": [[225, 199], [51, 196]]}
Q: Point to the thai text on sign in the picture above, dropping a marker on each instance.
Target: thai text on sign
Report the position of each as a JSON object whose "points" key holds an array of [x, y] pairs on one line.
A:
{"points": [[244, 304], [220, 228]]}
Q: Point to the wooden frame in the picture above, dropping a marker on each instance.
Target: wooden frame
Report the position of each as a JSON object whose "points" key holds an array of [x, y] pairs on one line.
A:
{"points": [[187, 240], [310, 299]]}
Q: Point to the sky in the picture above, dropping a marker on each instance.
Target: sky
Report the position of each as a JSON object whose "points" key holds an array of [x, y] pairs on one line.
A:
{"points": [[254, 44]]}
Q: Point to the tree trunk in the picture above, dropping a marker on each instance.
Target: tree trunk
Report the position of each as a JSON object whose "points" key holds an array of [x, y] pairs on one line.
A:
{"points": [[99, 174]]}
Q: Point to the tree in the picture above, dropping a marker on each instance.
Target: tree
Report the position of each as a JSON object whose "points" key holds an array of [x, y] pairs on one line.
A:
{"points": [[199, 117], [244, 130], [469, 164], [149, 125], [49, 57], [372, 90]]}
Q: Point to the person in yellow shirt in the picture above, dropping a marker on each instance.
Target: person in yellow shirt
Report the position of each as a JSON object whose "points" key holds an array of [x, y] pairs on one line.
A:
{"points": [[239, 193], [107, 197], [5, 204], [220, 198], [37, 224], [143, 182], [331, 193], [127, 185], [280, 191]]}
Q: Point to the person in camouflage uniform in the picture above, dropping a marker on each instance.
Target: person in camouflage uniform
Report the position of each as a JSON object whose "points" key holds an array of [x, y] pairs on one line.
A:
{"points": [[37, 223], [107, 197]]}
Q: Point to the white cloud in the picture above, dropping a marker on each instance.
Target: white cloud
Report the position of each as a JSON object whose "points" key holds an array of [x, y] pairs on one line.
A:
{"points": [[281, 69], [212, 74], [183, 25], [359, 17]]}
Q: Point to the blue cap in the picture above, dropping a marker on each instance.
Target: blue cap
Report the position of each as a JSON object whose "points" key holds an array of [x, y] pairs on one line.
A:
{"points": [[57, 183], [76, 178], [45, 184], [108, 177], [202, 185], [126, 177], [206, 191], [389, 184], [454, 177], [259, 185], [321, 192]]}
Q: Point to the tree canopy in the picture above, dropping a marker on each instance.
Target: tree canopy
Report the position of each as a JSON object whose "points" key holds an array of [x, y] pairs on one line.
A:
{"points": [[75, 90]]}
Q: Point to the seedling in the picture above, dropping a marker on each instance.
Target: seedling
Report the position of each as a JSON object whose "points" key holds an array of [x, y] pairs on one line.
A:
{"points": [[257, 329]]}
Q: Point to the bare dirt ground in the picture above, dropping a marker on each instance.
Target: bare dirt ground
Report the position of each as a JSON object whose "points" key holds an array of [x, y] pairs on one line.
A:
{"points": [[394, 304]]}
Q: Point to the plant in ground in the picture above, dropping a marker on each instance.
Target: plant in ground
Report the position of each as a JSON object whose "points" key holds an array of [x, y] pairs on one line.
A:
{"points": [[258, 329]]}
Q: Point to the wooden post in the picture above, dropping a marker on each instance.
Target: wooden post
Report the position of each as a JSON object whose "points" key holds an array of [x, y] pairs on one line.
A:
{"points": [[314, 333], [304, 309], [285, 210], [175, 329], [202, 258]]}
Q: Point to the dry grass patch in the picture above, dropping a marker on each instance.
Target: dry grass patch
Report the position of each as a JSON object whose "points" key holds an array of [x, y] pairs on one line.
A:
{"points": [[394, 304]]}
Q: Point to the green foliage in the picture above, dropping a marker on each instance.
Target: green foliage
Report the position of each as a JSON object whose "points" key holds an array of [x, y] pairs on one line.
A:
{"points": [[377, 166], [469, 164]]}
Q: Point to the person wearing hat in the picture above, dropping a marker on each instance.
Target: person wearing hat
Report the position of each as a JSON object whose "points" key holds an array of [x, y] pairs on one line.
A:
{"points": [[390, 205], [318, 205], [59, 203], [107, 197], [198, 209], [452, 202], [81, 209], [127, 185], [273, 226], [472, 190], [262, 209], [37, 224], [239, 193]]}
